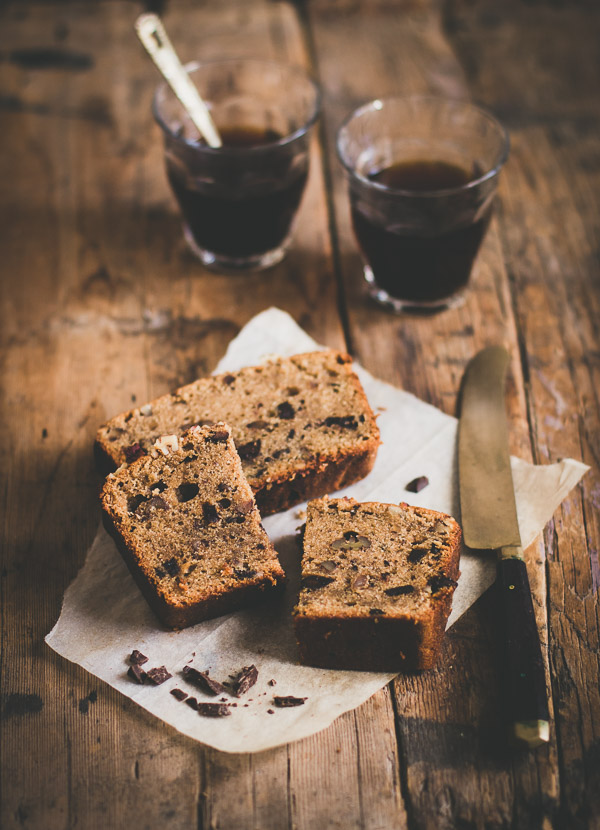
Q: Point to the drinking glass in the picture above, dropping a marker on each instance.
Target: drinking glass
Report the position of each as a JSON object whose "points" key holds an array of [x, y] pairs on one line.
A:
{"points": [[239, 201], [422, 175]]}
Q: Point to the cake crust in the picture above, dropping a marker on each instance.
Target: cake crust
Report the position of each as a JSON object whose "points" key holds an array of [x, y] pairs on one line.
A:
{"points": [[377, 585]]}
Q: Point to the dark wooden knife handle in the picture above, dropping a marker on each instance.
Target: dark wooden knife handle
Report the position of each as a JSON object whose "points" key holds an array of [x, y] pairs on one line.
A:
{"points": [[525, 680]]}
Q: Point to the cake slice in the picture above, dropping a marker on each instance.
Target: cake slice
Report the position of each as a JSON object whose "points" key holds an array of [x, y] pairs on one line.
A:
{"points": [[377, 585], [302, 425], [184, 518]]}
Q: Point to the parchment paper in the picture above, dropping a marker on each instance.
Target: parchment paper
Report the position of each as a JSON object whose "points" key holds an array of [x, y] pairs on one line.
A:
{"points": [[104, 615]]}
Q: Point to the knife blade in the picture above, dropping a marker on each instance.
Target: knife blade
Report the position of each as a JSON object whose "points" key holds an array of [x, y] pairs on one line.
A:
{"points": [[489, 522]]}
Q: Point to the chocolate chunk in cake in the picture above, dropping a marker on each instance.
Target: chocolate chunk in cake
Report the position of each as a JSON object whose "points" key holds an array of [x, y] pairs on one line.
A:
{"points": [[190, 561], [302, 425], [384, 603]]}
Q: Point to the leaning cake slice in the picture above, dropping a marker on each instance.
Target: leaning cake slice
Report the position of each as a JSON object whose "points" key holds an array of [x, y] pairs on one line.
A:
{"points": [[377, 585], [302, 425], [184, 518]]}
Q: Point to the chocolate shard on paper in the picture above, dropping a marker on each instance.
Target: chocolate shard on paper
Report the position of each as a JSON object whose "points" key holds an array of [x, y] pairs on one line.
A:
{"points": [[417, 484], [179, 694], [158, 675], [137, 673], [245, 680], [203, 681], [137, 657], [214, 710], [285, 701]]}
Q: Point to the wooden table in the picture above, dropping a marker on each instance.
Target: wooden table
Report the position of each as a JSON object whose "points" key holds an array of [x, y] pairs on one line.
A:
{"points": [[103, 305]]}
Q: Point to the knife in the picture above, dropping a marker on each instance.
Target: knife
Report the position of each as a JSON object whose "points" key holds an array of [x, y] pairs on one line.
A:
{"points": [[489, 521]]}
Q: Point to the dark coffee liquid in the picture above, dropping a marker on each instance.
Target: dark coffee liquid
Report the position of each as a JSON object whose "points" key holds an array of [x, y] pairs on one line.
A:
{"points": [[245, 219], [420, 267]]}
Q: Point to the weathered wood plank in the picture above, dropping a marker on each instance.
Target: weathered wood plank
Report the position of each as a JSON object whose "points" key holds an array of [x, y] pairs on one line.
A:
{"points": [[106, 306], [549, 229], [455, 769]]}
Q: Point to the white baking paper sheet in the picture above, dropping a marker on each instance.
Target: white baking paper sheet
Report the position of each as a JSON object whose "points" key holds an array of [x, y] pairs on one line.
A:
{"points": [[104, 615]]}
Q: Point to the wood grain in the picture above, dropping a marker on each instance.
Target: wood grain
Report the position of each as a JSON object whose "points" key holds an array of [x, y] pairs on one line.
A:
{"points": [[399, 54], [102, 304], [107, 307]]}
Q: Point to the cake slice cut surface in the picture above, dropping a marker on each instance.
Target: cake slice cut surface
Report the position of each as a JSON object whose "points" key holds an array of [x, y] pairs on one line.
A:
{"points": [[377, 585], [185, 520], [302, 425]]}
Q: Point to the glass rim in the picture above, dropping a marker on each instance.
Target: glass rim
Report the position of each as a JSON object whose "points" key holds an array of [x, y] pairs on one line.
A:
{"points": [[192, 66], [377, 104]]}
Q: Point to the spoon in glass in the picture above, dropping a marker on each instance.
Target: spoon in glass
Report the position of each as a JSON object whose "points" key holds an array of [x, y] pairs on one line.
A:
{"points": [[151, 32]]}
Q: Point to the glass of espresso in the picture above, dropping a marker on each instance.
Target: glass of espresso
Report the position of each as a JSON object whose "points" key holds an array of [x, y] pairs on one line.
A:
{"points": [[422, 175], [239, 201]]}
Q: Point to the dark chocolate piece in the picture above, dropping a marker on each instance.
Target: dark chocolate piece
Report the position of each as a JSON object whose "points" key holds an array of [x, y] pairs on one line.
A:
{"points": [[399, 590], [441, 581], [417, 554], [214, 710], [244, 572], [209, 513], [192, 703], [314, 581], [136, 673], [245, 680], [203, 681], [218, 436], [417, 484], [137, 657], [344, 421], [133, 452], [286, 411], [249, 450], [179, 694], [187, 491], [288, 700], [158, 675], [171, 566]]}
